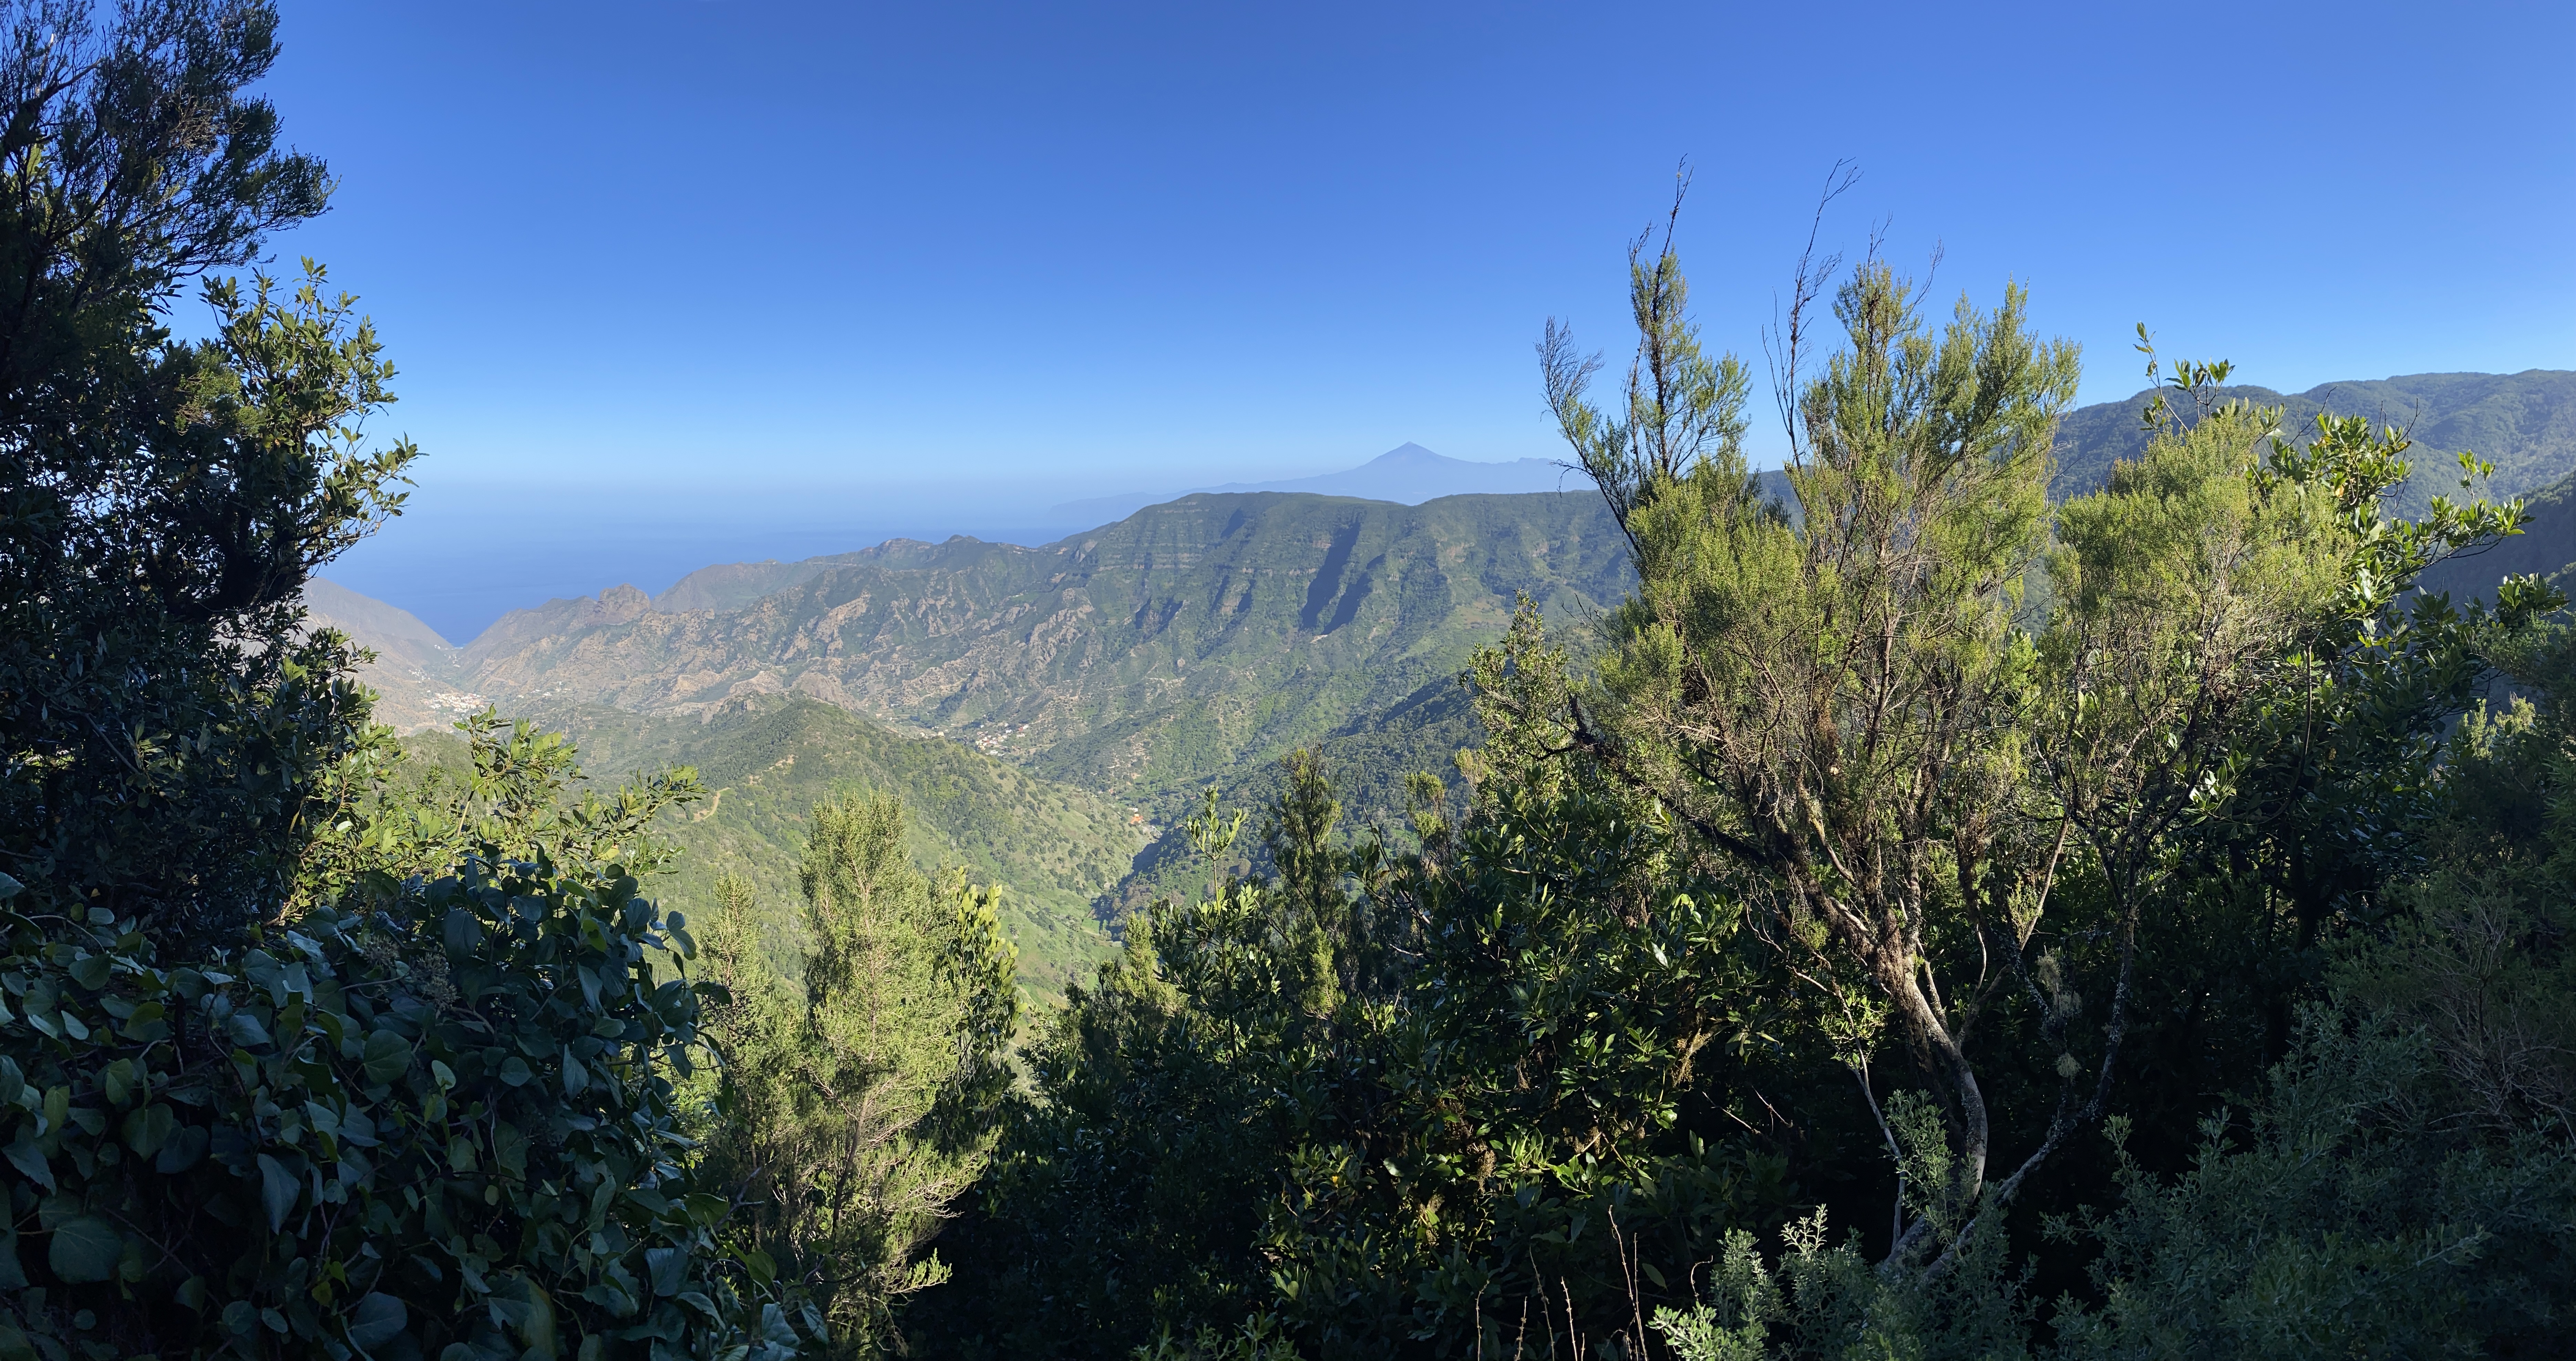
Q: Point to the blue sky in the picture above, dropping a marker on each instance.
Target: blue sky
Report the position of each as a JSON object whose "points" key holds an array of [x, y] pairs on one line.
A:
{"points": [[918, 268]]}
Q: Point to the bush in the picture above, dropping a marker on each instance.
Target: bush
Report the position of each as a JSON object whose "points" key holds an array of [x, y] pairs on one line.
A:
{"points": [[436, 1114]]}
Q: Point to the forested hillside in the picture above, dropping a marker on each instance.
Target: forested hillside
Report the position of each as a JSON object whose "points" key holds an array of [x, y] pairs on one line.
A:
{"points": [[1368, 759], [1954, 916], [1137, 660], [1052, 850], [2523, 423]]}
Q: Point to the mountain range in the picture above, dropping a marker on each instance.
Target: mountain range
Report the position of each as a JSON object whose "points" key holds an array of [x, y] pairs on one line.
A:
{"points": [[1049, 712], [1137, 659]]}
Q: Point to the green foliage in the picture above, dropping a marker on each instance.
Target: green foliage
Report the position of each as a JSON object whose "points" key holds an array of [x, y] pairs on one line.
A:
{"points": [[296, 1059], [162, 501], [2020, 815], [1373, 761], [429, 1114], [388, 815], [1683, 409], [2524, 422], [2354, 1216], [1387, 1101], [1050, 850], [853, 1106], [1827, 700]]}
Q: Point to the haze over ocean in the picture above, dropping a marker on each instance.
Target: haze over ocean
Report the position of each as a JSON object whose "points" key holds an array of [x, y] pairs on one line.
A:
{"points": [[463, 556]]}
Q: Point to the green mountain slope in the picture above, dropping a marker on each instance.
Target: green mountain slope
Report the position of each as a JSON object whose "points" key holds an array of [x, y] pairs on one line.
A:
{"points": [[2524, 423], [1368, 760], [2546, 548], [1053, 849], [1140, 659]]}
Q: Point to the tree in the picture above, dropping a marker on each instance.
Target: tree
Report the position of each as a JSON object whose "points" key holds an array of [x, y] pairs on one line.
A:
{"points": [[428, 1111], [1827, 700], [853, 1106], [161, 502], [1902, 752], [295, 1059]]}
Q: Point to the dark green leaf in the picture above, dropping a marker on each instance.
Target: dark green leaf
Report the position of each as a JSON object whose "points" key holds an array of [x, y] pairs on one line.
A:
{"points": [[669, 1268], [387, 1055], [147, 1128], [774, 1326], [182, 1150], [278, 1190], [28, 1158], [85, 1249], [378, 1319], [464, 935]]}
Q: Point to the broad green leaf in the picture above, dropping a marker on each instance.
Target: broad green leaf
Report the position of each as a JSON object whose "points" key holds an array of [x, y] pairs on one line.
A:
{"points": [[464, 935], [669, 1268], [117, 1080], [182, 1150], [147, 1128], [24, 1155], [387, 1055], [278, 1190], [85, 1250], [378, 1319]]}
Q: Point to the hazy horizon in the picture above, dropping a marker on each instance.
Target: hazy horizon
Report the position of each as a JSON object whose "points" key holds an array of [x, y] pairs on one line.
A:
{"points": [[932, 259]]}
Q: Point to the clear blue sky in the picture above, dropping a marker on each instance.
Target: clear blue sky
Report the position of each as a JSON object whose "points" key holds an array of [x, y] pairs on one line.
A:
{"points": [[748, 247]]}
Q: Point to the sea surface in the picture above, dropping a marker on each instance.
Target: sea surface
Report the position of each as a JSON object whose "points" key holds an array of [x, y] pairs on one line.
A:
{"points": [[461, 557]]}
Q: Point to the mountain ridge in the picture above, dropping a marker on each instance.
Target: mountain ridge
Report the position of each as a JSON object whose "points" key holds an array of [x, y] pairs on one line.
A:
{"points": [[2524, 423], [1133, 658]]}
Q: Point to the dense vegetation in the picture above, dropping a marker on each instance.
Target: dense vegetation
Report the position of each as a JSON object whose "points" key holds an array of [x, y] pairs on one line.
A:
{"points": [[305, 1047], [1052, 850], [1918, 916], [1933, 922]]}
